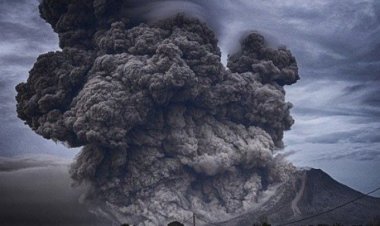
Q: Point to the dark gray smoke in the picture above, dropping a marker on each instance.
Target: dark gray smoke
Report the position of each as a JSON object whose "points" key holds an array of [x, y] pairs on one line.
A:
{"points": [[166, 129]]}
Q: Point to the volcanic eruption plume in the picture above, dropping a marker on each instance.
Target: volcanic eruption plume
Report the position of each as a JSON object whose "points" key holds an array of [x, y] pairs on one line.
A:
{"points": [[166, 129]]}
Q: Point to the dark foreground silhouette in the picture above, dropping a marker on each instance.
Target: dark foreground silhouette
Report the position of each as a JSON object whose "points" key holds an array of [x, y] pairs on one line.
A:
{"points": [[373, 223]]}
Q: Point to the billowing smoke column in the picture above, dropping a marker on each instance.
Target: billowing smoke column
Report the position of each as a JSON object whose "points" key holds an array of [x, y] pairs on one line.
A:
{"points": [[166, 129]]}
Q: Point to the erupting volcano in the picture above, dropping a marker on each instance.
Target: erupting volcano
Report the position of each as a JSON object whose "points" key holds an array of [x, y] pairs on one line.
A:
{"points": [[165, 128]]}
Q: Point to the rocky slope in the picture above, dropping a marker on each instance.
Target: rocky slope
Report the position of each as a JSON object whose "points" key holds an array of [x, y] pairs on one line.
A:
{"points": [[312, 192]]}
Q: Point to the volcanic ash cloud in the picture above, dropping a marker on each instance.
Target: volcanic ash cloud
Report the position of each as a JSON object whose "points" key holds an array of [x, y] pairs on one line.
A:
{"points": [[166, 129]]}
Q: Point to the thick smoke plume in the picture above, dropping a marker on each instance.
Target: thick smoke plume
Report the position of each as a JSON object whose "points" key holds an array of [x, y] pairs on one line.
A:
{"points": [[166, 129]]}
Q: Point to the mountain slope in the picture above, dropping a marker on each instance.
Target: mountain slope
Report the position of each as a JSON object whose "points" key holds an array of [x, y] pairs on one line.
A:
{"points": [[312, 192]]}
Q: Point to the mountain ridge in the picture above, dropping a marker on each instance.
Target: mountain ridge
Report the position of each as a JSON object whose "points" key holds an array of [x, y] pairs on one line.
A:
{"points": [[313, 192]]}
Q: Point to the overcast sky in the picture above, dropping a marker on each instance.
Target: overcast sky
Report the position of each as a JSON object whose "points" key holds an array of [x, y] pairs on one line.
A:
{"points": [[336, 102]]}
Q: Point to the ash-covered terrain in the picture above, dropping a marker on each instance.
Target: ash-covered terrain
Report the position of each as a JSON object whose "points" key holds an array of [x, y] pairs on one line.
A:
{"points": [[312, 197], [166, 129]]}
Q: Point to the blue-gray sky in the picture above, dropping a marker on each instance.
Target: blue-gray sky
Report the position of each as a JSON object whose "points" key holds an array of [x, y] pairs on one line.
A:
{"points": [[336, 102]]}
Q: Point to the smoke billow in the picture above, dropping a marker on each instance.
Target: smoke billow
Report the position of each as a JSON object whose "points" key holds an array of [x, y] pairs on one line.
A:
{"points": [[166, 129]]}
